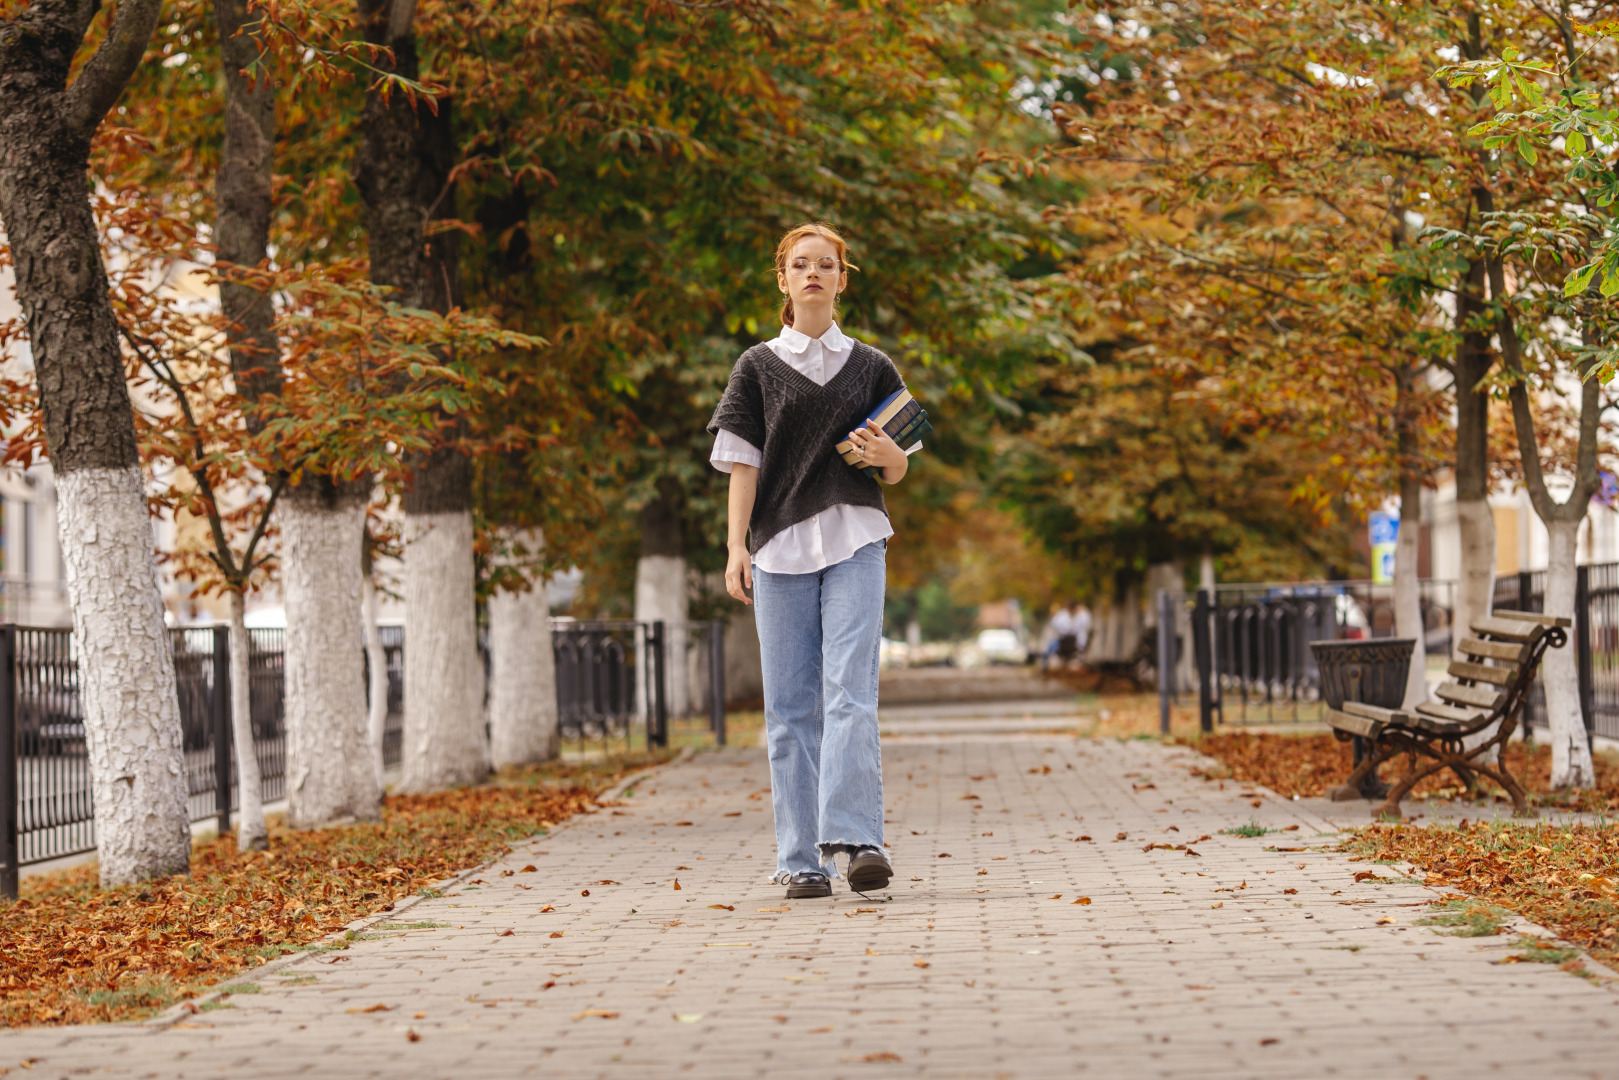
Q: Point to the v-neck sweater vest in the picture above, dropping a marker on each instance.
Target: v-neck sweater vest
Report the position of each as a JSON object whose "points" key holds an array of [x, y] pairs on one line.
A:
{"points": [[797, 425]]}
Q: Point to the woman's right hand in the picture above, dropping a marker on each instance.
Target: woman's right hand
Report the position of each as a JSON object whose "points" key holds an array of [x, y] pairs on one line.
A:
{"points": [[739, 573]]}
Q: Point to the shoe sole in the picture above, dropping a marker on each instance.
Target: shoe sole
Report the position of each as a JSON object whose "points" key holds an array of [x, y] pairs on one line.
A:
{"points": [[867, 878], [809, 892]]}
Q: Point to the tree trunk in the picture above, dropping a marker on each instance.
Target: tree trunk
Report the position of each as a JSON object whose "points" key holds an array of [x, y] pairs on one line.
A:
{"points": [[330, 772], [403, 174], [126, 676], [1408, 589], [444, 723], [1571, 754], [661, 586], [251, 834], [377, 668], [1475, 525], [242, 193], [522, 679], [126, 665], [1407, 586]]}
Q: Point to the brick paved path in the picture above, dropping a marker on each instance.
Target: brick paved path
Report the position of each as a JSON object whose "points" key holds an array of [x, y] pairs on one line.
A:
{"points": [[1240, 962]]}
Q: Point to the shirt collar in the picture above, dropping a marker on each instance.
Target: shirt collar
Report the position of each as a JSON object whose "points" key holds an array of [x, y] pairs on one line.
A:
{"points": [[832, 341]]}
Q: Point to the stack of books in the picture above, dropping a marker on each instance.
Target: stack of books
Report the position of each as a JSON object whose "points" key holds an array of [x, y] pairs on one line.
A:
{"points": [[905, 421]]}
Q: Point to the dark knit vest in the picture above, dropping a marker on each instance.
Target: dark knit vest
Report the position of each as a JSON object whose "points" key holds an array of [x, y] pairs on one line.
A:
{"points": [[797, 425]]}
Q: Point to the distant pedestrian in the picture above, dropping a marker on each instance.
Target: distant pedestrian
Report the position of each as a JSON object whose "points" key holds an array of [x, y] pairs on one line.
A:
{"points": [[809, 535], [1061, 635]]}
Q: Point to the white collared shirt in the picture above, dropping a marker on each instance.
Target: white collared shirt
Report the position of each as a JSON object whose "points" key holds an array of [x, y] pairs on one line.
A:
{"points": [[837, 532]]}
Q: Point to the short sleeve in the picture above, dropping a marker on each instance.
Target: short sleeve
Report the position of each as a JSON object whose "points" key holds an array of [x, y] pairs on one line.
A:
{"points": [[741, 408], [732, 449]]}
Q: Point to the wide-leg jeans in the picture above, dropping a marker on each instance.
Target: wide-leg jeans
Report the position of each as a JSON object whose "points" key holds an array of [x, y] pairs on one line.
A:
{"points": [[819, 636]]}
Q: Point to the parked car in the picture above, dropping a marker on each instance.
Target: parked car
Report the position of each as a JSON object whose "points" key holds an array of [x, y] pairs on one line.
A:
{"points": [[1002, 647]]}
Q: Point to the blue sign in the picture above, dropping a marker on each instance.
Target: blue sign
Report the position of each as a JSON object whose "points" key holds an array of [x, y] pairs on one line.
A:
{"points": [[1385, 528]]}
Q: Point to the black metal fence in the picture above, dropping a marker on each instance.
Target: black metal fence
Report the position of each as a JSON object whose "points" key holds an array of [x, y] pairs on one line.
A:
{"points": [[610, 675], [1595, 640], [1251, 642]]}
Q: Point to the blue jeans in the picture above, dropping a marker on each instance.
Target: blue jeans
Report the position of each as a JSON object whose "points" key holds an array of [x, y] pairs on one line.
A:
{"points": [[819, 636]]}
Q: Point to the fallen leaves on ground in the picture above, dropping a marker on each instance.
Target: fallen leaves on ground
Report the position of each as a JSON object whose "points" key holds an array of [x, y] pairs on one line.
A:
{"points": [[1308, 765], [1560, 876], [71, 953]]}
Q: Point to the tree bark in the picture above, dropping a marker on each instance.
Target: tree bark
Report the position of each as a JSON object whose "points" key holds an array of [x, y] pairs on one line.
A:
{"points": [[661, 591], [444, 729], [331, 775], [1475, 525], [242, 194], [1571, 753], [131, 710], [377, 668], [251, 835], [1407, 586], [522, 679]]}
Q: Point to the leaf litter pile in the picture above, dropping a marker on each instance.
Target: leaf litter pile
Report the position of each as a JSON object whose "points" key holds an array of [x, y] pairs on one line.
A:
{"points": [[1307, 765], [71, 953], [1560, 876]]}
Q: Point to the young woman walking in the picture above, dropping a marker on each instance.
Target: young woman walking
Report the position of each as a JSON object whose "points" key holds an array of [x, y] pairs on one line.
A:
{"points": [[808, 534]]}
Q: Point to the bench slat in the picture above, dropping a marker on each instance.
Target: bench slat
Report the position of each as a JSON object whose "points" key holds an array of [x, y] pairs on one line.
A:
{"points": [[1451, 712], [1495, 650], [1373, 712], [1499, 676], [1506, 629], [1355, 725], [1483, 697], [1547, 621], [1437, 726]]}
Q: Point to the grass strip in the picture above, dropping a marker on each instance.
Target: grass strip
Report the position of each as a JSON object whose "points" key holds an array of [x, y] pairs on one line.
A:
{"points": [[72, 953]]}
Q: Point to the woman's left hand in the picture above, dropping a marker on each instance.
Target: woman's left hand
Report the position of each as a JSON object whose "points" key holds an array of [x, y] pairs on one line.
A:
{"points": [[875, 447]]}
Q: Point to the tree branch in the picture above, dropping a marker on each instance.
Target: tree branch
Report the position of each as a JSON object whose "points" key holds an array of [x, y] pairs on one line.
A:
{"points": [[104, 76]]}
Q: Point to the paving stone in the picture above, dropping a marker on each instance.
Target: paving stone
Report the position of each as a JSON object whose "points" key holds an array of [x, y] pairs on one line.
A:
{"points": [[976, 962]]}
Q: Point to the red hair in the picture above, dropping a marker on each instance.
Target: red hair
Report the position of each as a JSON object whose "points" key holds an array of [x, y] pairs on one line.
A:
{"points": [[784, 250]]}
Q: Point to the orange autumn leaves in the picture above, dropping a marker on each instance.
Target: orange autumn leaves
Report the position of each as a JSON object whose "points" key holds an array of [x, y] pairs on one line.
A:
{"points": [[1307, 765], [1559, 876]]}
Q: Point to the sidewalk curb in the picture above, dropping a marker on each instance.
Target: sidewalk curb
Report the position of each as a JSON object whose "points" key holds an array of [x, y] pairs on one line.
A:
{"points": [[180, 1010]]}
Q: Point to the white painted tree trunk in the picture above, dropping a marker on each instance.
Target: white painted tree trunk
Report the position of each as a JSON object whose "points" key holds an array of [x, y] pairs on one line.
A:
{"points": [[251, 835], [377, 663], [1408, 606], [660, 593], [1571, 755], [444, 721], [1475, 592], [126, 676], [330, 775], [522, 677]]}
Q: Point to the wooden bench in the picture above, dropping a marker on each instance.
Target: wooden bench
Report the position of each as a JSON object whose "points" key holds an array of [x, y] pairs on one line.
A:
{"points": [[1487, 689]]}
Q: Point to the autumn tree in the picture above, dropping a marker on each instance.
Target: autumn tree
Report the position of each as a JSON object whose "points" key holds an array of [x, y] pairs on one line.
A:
{"points": [[60, 73], [1551, 94], [1260, 184]]}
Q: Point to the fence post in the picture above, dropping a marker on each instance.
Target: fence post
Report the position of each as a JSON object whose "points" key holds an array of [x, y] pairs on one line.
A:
{"points": [[10, 854], [1582, 650], [1166, 657], [1203, 649], [716, 679], [222, 727], [1525, 590], [658, 729]]}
